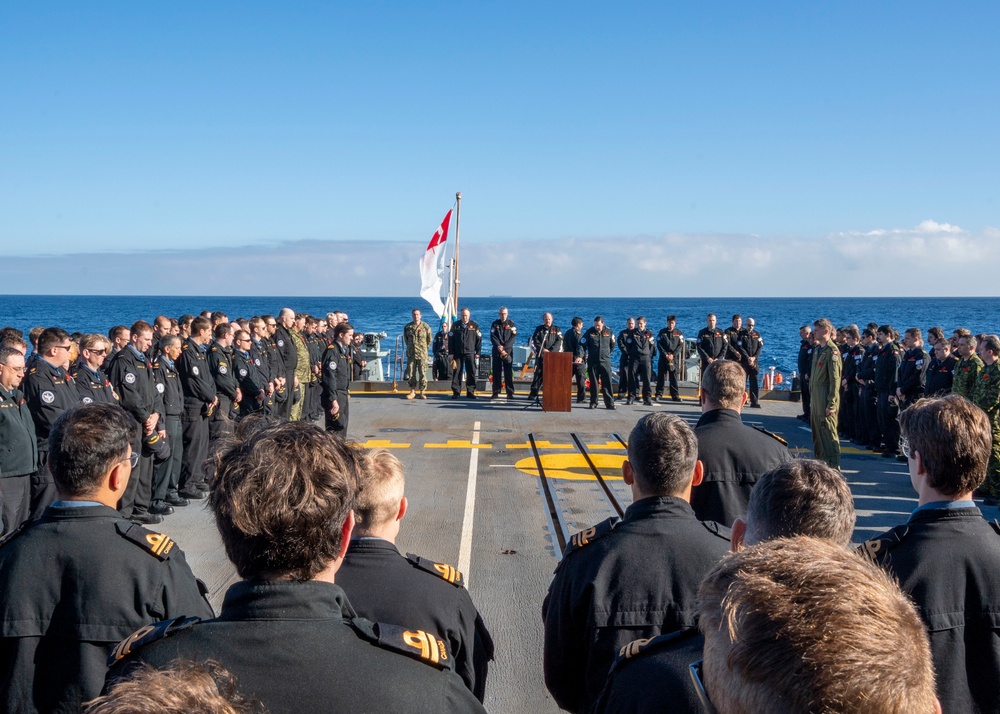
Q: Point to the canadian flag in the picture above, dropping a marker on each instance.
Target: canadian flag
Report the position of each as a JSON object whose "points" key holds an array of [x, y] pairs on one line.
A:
{"points": [[430, 268]]}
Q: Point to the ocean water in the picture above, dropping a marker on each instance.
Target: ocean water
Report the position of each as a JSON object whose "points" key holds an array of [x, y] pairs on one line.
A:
{"points": [[778, 319]]}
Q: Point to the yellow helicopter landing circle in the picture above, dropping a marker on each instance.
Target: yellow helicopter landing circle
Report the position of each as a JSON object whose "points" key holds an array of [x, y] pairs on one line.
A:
{"points": [[573, 467]]}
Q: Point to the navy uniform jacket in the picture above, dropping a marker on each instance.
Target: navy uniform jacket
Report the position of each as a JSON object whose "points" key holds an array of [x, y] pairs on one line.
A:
{"points": [[886, 361], [336, 376], [671, 342], [711, 344], [196, 376], [252, 382], [503, 333], [648, 673], [286, 348], [75, 582], [940, 376], [132, 377], [547, 338], [805, 357], [94, 387], [643, 344], [220, 363], [852, 361], [49, 393], [18, 446], [912, 368], [572, 344], [168, 386], [384, 586], [866, 370], [299, 647], [599, 345], [466, 339], [609, 590], [441, 343], [948, 561], [734, 456]]}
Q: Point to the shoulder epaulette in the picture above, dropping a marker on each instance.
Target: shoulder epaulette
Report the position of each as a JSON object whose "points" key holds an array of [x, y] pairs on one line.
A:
{"points": [[875, 547], [416, 644], [150, 633], [16, 532], [774, 436], [589, 535], [442, 570], [158, 544], [718, 529], [650, 644]]}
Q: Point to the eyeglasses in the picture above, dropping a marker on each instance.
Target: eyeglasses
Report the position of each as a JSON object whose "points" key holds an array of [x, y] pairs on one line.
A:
{"points": [[98, 352], [904, 445], [133, 460], [65, 347], [15, 370], [272, 324], [706, 704]]}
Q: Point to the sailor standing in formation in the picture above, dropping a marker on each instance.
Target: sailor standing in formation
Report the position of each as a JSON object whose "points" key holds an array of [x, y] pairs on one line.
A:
{"points": [[464, 347], [546, 338], [503, 332], [417, 336]]}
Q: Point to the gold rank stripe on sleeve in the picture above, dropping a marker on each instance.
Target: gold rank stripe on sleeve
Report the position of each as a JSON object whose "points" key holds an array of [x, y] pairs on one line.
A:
{"points": [[160, 543], [583, 537], [430, 647], [448, 572], [634, 647]]}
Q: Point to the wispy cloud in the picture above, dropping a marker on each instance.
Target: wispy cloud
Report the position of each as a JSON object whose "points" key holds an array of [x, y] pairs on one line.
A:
{"points": [[852, 262]]}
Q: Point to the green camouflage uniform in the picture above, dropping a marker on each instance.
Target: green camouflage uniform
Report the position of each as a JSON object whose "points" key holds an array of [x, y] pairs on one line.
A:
{"points": [[966, 372], [986, 395], [303, 370], [824, 391], [417, 336]]}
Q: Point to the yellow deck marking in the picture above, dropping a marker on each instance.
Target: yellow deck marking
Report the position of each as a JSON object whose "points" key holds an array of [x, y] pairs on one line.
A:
{"points": [[458, 444], [573, 467], [607, 445], [540, 445], [383, 444]]}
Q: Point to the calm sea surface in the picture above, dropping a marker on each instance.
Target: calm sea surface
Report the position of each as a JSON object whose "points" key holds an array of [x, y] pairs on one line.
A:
{"points": [[778, 319]]}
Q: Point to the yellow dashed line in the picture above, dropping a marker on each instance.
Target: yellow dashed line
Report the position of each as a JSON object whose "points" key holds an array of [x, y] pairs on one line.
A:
{"points": [[458, 444], [606, 445], [540, 445], [383, 444]]}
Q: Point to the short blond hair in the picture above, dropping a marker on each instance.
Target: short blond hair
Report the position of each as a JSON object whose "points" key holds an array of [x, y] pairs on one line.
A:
{"points": [[380, 489], [805, 625]]}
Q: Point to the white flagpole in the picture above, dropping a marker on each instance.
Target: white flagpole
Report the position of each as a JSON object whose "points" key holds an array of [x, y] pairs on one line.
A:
{"points": [[458, 228]]}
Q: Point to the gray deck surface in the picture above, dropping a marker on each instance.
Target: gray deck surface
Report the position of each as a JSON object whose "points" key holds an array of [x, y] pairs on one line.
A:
{"points": [[513, 554]]}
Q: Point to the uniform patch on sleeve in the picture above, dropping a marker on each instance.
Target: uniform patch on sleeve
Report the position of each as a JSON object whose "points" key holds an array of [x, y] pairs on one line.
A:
{"points": [[442, 570], [158, 544], [150, 633], [636, 648], [421, 645], [589, 535], [48, 397], [222, 369], [774, 436], [876, 548], [130, 378]]}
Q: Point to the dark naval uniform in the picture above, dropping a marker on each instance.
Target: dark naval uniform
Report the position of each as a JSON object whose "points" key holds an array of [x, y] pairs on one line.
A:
{"points": [[94, 386], [131, 374], [167, 473], [199, 394], [712, 345], [543, 339], [442, 363], [336, 379], [648, 673], [624, 366], [641, 350], [18, 459], [608, 591], [948, 560], [940, 376], [749, 344], [299, 647], [252, 381], [871, 433], [912, 374], [76, 582], [386, 587], [850, 419], [805, 366], [734, 457], [669, 343], [466, 344], [220, 362], [599, 346], [571, 344], [502, 334], [49, 392], [886, 367], [289, 359]]}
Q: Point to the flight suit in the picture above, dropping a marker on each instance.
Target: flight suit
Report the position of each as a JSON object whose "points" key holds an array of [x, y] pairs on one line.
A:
{"points": [[886, 370], [571, 344], [544, 339], [624, 367], [599, 345], [641, 349], [442, 362], [466, 344], [825, 387], [669, 342]]}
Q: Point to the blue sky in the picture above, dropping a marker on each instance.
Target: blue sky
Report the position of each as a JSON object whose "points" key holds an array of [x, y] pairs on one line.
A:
{"points": [[185, 126]]}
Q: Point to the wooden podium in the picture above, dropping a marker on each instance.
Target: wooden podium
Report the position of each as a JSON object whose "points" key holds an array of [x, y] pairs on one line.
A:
{"points": [[557, 382]]}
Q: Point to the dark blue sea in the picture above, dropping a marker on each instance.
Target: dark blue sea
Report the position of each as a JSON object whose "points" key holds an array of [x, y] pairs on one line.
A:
{"points": [[778, 319]]}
